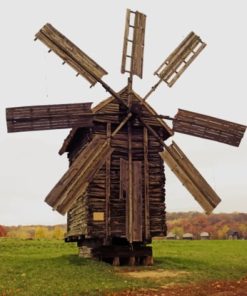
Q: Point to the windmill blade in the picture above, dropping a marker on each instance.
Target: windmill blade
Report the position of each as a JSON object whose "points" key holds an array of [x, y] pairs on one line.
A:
{"points": [[75, 57], [190, 177], [180, 59], [208, 127], [75, 181], [71, 54], [133, 45], [46, 117]]}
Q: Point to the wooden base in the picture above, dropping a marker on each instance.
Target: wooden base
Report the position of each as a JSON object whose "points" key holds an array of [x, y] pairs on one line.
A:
{"points": [[124, 255]]}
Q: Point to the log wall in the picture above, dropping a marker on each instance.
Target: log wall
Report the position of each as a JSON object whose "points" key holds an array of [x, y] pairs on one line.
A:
{"points": [[91, 215]]}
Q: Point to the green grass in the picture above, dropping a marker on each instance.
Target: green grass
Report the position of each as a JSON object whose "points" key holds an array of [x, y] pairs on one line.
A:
{"points": [[44, 267], [216, 259]]}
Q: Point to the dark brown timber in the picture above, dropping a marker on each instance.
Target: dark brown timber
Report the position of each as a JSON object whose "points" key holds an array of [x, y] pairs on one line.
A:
{"points": [[46, 117], [208, 127], [190, 177]]}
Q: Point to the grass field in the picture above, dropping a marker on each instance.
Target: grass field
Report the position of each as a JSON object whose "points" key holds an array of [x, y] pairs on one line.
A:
{"points": [[44, 267]]}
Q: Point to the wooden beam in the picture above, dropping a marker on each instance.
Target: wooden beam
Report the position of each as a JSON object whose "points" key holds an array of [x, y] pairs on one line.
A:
{"points": [[121, 125], [129, 203], [125, 42], [137, 201], [146, 184], [108, 186]]}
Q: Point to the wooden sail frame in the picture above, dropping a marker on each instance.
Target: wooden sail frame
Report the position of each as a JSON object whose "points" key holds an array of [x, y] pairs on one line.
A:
{"points": [[133, 45], [71, 54], [179, 60], [208, 127], [75, 181], [46, 117], [190, 177]]}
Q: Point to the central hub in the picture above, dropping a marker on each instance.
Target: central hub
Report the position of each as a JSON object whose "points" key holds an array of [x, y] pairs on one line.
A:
{"points": [[136, 109]]}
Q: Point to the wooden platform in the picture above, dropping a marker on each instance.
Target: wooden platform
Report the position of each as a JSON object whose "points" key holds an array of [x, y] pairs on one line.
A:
{"points": [[120, 255]]}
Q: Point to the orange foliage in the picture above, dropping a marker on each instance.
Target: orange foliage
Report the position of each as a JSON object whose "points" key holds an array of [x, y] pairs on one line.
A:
{"points": [[217, 225], [3, 232]]}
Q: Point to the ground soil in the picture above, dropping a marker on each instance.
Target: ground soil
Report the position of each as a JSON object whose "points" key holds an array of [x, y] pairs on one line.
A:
{"points": [[214, 288], [153, 274]]}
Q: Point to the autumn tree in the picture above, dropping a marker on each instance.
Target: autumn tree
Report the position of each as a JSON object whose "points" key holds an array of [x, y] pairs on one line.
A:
{"points": [[41, 232], [3, 232], [178, 230], [58, 232], [222, 232]]}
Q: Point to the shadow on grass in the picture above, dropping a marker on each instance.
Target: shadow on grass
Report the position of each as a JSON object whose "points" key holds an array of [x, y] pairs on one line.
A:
{"points": [[164, 262], [69, 261], [179, 263]]}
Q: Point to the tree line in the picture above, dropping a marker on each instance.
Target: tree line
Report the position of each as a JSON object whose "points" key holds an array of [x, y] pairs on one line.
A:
{"points": [[33, 231], [219, 226]]}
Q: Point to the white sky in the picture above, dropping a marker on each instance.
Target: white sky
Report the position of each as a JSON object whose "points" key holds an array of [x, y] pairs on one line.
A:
{"points": [[215, 84]]}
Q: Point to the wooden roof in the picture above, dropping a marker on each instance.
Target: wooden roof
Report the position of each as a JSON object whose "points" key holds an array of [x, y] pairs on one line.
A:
{"points": [[147, 108]]}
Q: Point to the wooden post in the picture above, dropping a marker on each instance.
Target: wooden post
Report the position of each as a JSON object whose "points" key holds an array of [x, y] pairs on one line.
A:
{"points": [[129, 203], [130, 193], [116, 261], [108, 186], [148, 261], [146, 184], [132, 261]]}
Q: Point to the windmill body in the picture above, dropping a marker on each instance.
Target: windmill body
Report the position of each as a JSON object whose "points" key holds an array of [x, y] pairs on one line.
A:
{"points": [[104, 211], [114, 190]]}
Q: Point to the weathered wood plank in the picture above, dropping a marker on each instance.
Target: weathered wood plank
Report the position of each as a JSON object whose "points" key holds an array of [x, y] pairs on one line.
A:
{"points": [[208, 127], [79, 175], [137, 223], [177, 62], [95, 193], [123, 182], [125, 41], [108, 187], [190, 177], [46, 117], [70, 53], [138, 44], [146, 184]]}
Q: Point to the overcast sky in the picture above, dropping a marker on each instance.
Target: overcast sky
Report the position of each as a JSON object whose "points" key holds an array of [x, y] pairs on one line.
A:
{"points": [[215, 84]]}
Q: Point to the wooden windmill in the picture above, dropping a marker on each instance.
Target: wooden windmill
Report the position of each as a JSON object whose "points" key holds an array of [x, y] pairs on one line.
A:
{"points": [[113, 191]]}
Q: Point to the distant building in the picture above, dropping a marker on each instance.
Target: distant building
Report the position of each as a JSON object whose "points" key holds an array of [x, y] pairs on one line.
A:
{"points": [[204, 235], [188, 236], [232, 234], [171, 235]]}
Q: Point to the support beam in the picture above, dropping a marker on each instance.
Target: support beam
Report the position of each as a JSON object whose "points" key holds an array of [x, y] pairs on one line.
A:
{"points": [[146, 184], [129, 203], [108, 186]]}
